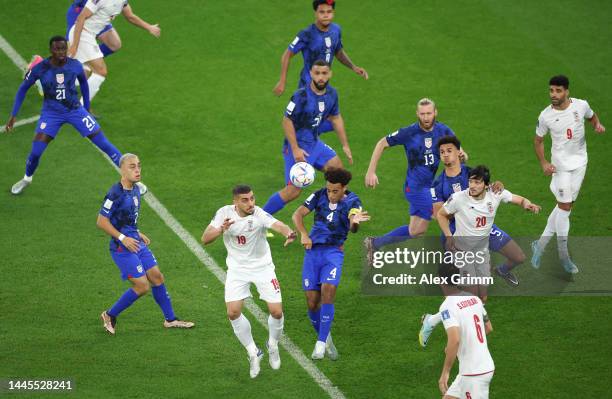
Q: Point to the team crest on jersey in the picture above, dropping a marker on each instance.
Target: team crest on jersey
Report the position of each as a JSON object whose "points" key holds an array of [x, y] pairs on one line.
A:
{"points": [[428, 142], [328, 41], [43, 125], [250, 225], [490, 207], [59, 78], [576, 117], [135, 201], [333, 207], [456, 187], [321, 106]]}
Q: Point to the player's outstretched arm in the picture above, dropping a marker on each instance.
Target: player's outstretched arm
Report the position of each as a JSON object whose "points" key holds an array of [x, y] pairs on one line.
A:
{"points": [[282, 228], [78, 29], [452, 347], [371, 180], [139, 22], [597, 126], [343, 57], [525, 204], [104, 224], [279, 89], [338, 124], [538, 145], [211, 233], [298, 221], [19, 97], [356, 216]]}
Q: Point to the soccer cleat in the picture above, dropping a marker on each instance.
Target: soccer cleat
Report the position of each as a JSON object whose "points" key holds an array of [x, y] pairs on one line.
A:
{"points": [[537, 254], [20, 186], [273, 357], [319, 351], [142, 188], [109, 322], [330, 349], [178, 324], [426, 330], [508, 276], [569, 266], [368, 242], [255, 361], [36, 59]]}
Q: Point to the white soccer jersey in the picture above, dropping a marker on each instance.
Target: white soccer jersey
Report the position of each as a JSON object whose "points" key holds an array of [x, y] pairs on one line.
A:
{"points": [[104, 11], [467, 313], [569, 150], [245, 240], [474, 218]]}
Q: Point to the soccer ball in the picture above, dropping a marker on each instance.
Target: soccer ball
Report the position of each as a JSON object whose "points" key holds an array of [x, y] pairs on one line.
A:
{"points": [[302, 174]]}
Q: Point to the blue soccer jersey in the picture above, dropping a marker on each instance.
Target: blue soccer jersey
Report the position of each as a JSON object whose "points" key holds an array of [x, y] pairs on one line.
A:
{"points": [[422, 152], [316, 45], [307, 110], [331, 221], [121, 207], [59, 84]]}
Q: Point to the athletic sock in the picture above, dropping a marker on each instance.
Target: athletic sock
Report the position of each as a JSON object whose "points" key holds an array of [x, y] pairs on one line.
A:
{"points": [[107, 147], [275, 326], [315, 318], [94, 82], [435, 319], [400, 234], [242, 329], [106, 51], [327, 317], [126, 300], [549, 230], [38, 147], [163, 300], [562, 226], [274, 204]]}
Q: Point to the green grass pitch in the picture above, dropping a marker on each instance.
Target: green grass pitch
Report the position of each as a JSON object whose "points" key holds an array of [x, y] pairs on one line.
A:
{"points": [[197, 106]]}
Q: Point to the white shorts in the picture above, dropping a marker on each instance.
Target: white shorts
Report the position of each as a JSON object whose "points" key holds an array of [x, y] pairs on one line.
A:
{"points": [[470, 387], [565, 185], [238, 284], [88, 46]]}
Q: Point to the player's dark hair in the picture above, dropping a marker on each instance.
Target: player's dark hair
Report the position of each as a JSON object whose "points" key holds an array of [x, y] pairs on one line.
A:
{"points": [[559, 80], [317, 3], [338, 175], [320, 63], [480, 172], [57, 38], [449, 140], [241, 189], [447, 270]]}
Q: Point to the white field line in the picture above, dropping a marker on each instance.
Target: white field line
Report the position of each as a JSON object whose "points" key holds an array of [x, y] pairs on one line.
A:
{"points": [[194, 246]]}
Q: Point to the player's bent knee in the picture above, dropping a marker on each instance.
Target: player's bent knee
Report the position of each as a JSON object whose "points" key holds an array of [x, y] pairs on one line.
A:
{"points": [[233, 314], [277, 313], [141, 288]]}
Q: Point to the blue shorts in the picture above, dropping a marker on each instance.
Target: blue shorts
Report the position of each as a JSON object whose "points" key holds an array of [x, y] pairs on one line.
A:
{"points": [[420, 202], [498, 239], [134, 265], [322, 264], [318, 155], [50, 122]]}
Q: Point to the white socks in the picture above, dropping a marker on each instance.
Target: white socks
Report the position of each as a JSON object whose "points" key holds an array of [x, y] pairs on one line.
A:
{"points": [[27, 178], [549, 230], [435, 319], [94, 82], [276, 328], [242, 329], [562, 226]]}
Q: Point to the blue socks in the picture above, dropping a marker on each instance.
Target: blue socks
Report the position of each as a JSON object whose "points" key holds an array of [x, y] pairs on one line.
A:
{"points": [[126, 300], [274, 204], [314, 317], [106, 146], [163, 300], [400, 234], [38, 147], [327, 316], [106, 51]]}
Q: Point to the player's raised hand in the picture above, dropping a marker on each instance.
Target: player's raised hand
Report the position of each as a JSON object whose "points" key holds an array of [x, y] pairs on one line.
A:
{"points": [[155, 30], [226, 224], [348, 153], [463, 156], [300, 155], [528, 206], [131, 244], [306, 241], [361, 72], [361, 217], [279, 89], [548, 168], [497, 187], [9, 125], [144, 238], [600, 129], [290, 238], [371, 180]]}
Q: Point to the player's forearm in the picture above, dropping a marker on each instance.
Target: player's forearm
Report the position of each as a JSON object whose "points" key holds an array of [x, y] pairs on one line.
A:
{"points": [[451, 355], [376, 154], [538, 145], [137, 21], [443, 222], [84, 90], [282, 228], [20, 96], [285, 62], [78, 29], [298, 221], [290, 134], [211, 234], [594, 121], [105, 225], [338, 124], [343, 57]]}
